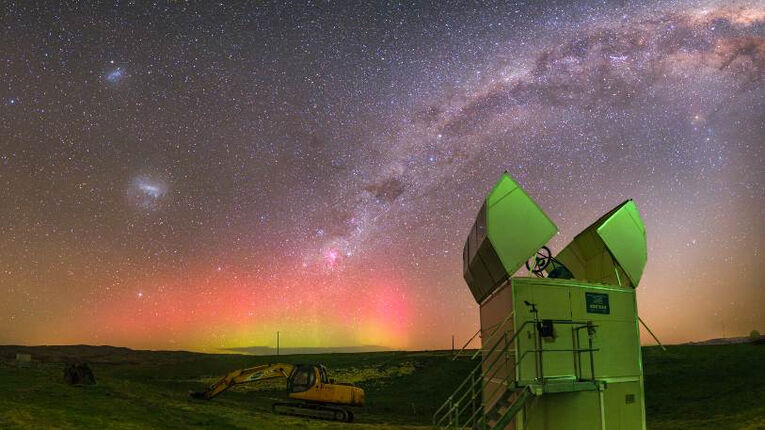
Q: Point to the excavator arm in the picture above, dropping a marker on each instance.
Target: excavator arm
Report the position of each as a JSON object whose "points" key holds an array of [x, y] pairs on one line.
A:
{"points": [[245, 376]]}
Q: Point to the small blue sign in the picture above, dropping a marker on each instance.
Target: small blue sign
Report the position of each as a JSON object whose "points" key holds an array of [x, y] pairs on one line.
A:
{"points": [[597, 303]]}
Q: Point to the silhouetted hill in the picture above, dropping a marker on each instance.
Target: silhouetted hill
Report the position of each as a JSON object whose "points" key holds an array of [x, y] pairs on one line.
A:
{"points": [[727, 341], [267, 350]]}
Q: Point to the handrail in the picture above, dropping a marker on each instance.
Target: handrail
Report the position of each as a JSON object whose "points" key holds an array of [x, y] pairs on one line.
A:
{"points": [[457, 408], [450, 399], [496, 330], [496, 390], [494, 371], [496, 360], [457, 354], [461, 410]]}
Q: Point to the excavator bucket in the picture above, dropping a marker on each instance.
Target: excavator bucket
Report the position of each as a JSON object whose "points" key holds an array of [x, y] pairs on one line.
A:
{"points": [[610, 251], [509, 229], [201, 395]]}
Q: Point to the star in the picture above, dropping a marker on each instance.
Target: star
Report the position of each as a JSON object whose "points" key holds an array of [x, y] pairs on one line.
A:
{"points": [[251, 160]]}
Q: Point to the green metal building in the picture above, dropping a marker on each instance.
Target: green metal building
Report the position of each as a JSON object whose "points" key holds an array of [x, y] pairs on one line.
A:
{"points": [[560, 345]]}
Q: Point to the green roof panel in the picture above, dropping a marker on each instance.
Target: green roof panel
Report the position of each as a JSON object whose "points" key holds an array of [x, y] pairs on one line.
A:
{"points": [[624, 235], [509, 228], [611, 251], [516, 226]]}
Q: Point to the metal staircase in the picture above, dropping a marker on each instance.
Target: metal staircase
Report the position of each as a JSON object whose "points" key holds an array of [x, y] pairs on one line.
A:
{"points": [[507, 407], [490, 397]]}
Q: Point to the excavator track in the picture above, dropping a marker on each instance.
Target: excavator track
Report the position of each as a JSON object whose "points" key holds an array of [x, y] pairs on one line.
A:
{"points": [[313, 410]]}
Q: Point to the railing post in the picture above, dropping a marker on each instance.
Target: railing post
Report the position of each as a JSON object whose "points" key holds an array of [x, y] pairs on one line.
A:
{"points": [[450, 411], [472, 397], [536, 353], [510, 370], [453, 411], [577, 354], [504, 350], [480, 396], [590, 334]]}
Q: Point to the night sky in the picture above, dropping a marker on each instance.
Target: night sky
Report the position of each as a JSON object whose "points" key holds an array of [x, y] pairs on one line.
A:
{"points": [[200, 175]]}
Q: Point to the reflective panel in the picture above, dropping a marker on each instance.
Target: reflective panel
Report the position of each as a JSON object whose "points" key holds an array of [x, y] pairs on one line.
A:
{"points": [[610, 251], [508, 230]]}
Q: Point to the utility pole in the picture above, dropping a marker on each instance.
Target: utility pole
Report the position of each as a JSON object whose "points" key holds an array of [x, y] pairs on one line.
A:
{"points": [[277, 343], [452, 343]]}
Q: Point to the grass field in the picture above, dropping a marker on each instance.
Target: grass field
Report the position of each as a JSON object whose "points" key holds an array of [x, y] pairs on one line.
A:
{"points": [[687, 387]]}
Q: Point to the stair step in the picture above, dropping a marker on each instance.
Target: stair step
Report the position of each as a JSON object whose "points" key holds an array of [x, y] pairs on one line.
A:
{"points": [[505, 401], [524, 395]]}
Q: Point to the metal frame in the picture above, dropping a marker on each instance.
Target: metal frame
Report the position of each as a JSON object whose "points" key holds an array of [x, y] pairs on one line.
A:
{"points": [[470, 393]]}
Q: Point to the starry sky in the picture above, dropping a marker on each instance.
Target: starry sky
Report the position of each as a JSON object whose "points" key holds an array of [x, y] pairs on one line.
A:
{"points": [[199, 175]]}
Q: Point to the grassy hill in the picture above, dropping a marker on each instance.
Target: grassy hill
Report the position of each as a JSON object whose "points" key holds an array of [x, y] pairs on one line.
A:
{"points": [[687, 387], [705, 387]]}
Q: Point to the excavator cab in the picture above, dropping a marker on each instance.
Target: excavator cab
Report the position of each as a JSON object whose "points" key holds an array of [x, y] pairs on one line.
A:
{"points": [[305, 376], [302, 378]]}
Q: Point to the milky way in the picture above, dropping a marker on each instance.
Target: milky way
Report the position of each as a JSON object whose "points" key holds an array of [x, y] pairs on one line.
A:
{"points": [[228, 171]]}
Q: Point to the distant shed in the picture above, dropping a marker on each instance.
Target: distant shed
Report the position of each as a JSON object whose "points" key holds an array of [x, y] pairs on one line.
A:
{"points": [[23, 360]]}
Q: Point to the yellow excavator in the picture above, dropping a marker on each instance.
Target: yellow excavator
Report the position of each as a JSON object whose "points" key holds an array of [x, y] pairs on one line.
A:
{"points": [[320, 397]]}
